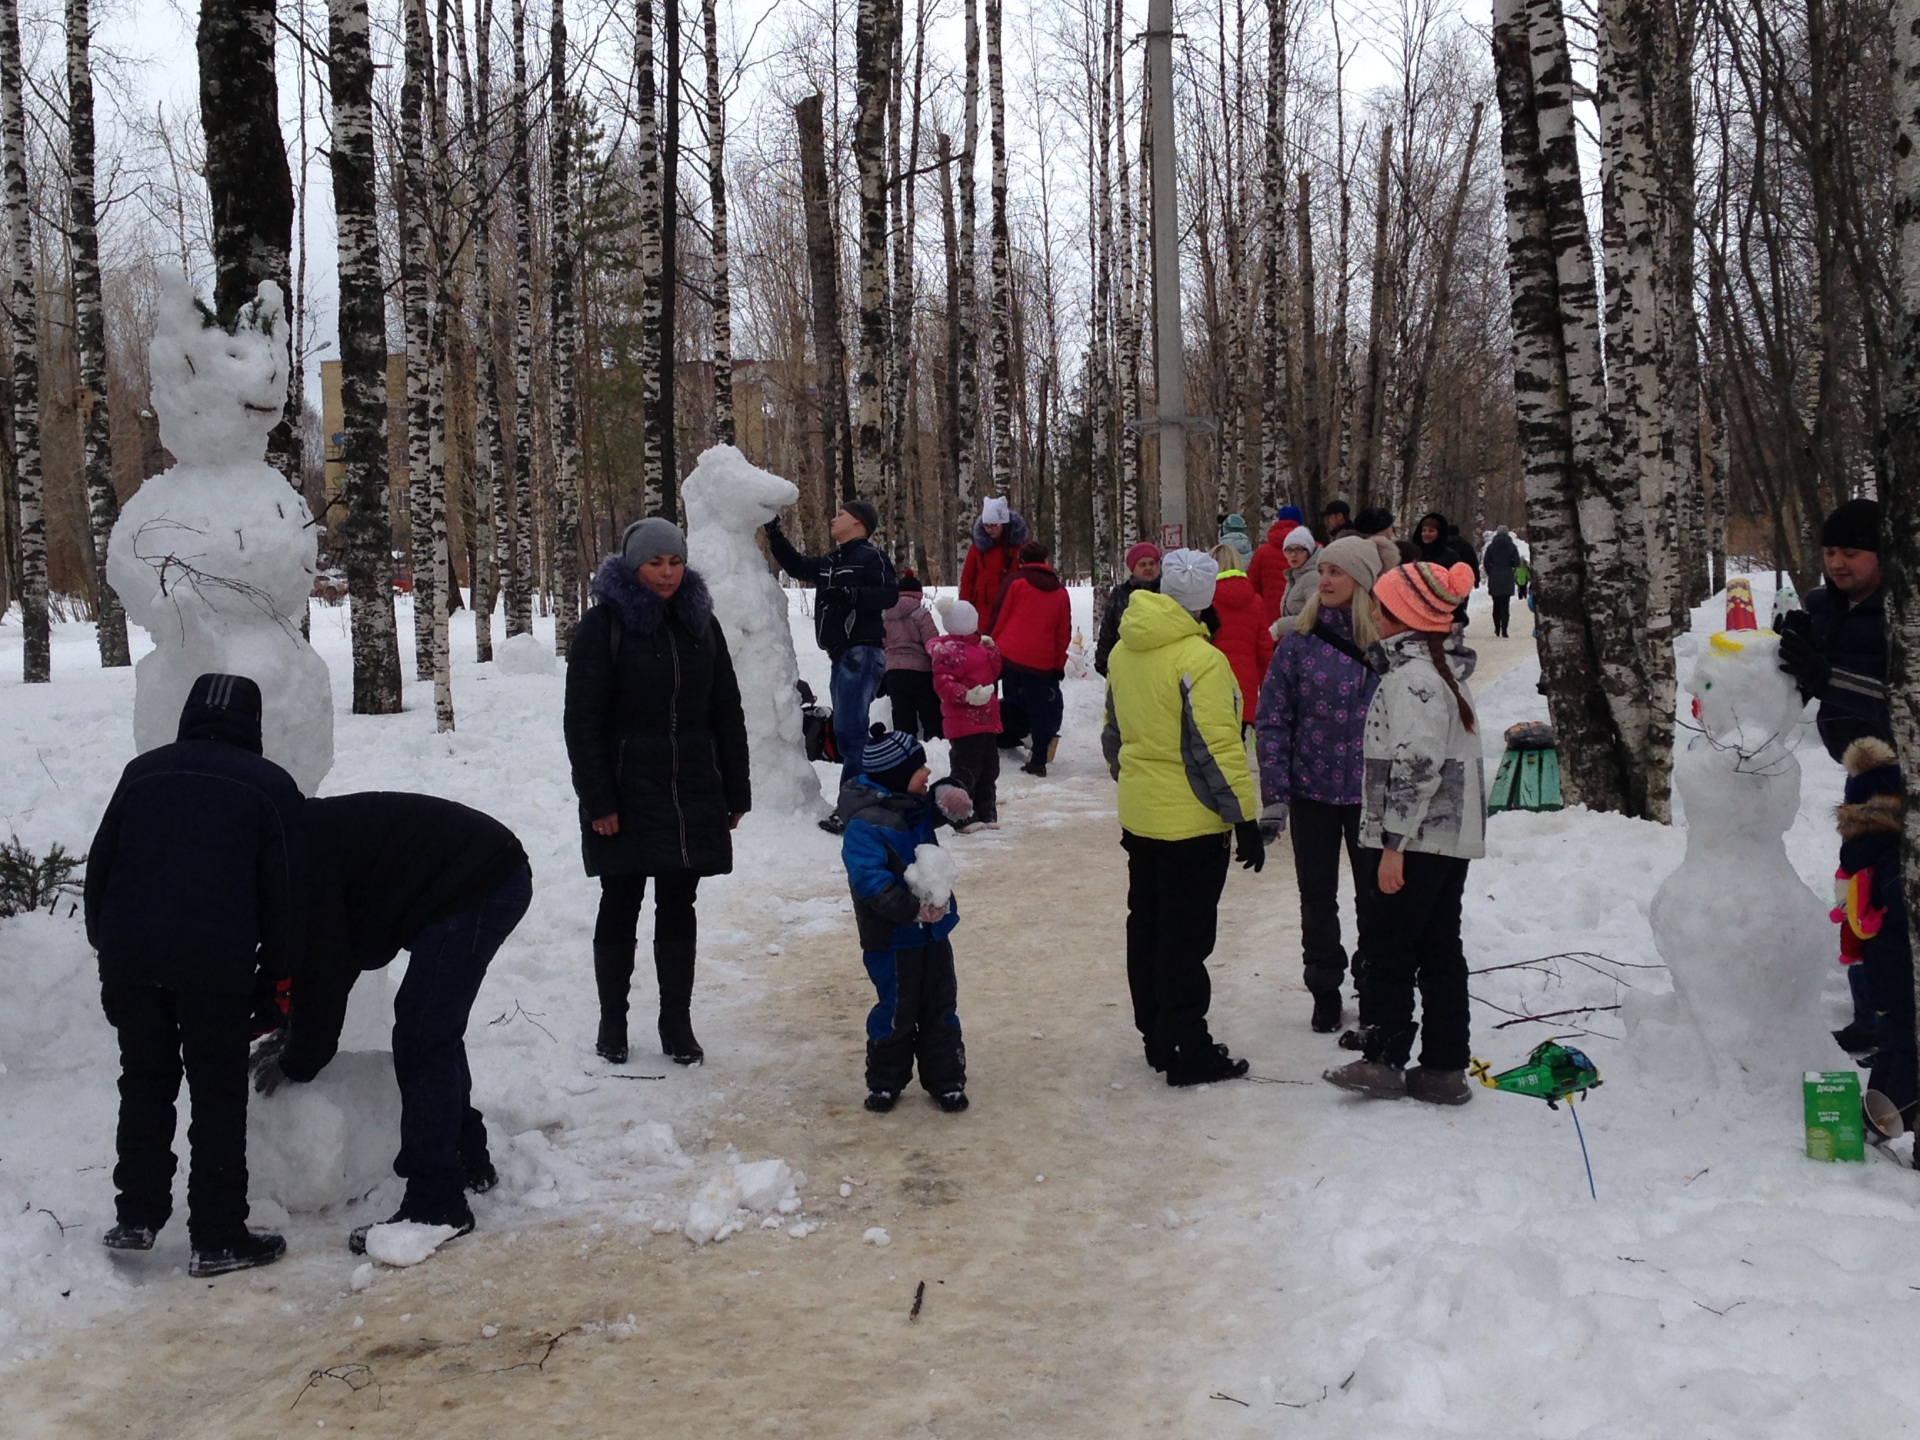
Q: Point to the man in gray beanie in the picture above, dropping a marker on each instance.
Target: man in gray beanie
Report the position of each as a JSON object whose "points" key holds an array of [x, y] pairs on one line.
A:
{"points": [[854, 587]]}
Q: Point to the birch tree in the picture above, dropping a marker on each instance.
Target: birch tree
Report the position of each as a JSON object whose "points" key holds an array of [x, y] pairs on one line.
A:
{"points": [[717, 204], [415, 304], [491, 513], [1000, 302], [653, 278], [872, 66], [520, 576], [24, 320], [565, 322], [363, 362], [966, 298], [90, 333], [823, 270], [1276, 480]]}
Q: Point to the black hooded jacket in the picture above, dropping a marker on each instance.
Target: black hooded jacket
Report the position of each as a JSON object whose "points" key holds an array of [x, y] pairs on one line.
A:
{"points": [[655, 730], [195, 877], [387, 865], [855, 585]]}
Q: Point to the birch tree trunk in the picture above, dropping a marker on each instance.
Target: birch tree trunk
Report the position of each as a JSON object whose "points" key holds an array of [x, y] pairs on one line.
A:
{"points": [[950, 387], [1312, 445], [717, 199], [24, 319], [363, 362], [566, 328], [1100, 308], [446, 592], [1001, 299], [1126, 308], [1900, 540], [414, 286], [905, 190], [823, 269], [872, 66], [646, 150], [520, 579], [491, 515], [1276, 480], [664, 357], [90, 334], [967, 386], [248, 183], [1373, 396]]}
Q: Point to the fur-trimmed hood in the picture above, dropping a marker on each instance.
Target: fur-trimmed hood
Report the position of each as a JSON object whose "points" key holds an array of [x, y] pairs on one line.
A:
{"points": [[1870, 814], [640, 610]]}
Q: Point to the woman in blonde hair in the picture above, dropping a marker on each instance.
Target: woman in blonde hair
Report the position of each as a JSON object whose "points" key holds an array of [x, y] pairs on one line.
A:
{"points": [[1310, 737]]}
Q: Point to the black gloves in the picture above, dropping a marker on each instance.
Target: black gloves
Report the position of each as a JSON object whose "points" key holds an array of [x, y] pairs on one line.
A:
{"points": [[1248, 848], [264, 1065], [834, 595], [772, 524], [1800, 656]]}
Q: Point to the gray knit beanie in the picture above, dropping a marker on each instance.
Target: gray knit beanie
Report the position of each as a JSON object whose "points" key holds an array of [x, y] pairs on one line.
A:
{"points": [[649, 539]]}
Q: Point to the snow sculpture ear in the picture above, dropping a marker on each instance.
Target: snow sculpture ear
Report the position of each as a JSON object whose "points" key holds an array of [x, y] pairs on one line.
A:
{"points": [[730, 491], [218, 392]]}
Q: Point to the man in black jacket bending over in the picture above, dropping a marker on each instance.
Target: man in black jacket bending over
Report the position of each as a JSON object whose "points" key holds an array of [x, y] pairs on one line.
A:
{"points": [[194, 889], [448, 884], [853, 590]]}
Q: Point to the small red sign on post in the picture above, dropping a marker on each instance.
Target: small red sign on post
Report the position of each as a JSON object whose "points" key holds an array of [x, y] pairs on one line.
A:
{"points": [[1173, 537]]}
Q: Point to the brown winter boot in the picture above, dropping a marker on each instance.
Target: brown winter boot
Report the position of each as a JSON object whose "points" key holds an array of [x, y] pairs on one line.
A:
{"points": [[1438, 1087], [1372, 1078]]}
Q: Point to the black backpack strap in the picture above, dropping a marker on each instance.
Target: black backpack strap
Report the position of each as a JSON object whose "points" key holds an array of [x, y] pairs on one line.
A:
{"points": [[1339, 642]]}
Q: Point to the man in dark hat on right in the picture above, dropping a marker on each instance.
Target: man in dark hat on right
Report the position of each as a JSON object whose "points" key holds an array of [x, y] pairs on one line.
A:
{"points": [[1836, 649], [854, 587], [195, 885]]}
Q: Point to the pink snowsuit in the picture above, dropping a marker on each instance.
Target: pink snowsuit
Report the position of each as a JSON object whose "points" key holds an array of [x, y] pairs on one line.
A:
{"points": [[961, 662]]}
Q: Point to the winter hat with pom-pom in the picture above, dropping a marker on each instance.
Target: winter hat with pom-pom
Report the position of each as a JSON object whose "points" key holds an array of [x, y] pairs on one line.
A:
{"points": [[1187, 578], [910, 583], [1872, 769], [1423, 596], [892, 758], [959, 616]]}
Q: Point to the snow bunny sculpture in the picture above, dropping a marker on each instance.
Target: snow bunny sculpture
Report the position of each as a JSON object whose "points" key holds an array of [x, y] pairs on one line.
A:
{"points": [[215, 557], [1740, 931], [728, 499]]}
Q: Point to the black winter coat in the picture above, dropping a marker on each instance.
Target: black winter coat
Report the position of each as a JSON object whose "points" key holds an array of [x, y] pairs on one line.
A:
{"points": [[389, 864], [1117, 599], [855, 585], [1502, 558], [1853, 638], [655, 731], [196, 877]]}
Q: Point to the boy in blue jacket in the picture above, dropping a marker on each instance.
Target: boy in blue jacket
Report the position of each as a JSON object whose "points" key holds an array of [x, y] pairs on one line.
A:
{"points": [[903, 903]]}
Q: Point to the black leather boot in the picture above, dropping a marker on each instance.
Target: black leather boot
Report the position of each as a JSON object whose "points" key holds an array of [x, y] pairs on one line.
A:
{"points": [[613, 978], [673, 964]]}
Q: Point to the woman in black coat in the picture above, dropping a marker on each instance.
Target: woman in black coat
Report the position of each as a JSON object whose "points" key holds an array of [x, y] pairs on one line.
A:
{"points": [[658, 745]]}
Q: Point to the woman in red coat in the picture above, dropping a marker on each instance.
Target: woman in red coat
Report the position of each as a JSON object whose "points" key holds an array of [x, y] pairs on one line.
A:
{"points": [[1032, 625], [1243, 636], [994, 554], [1268, 570]]}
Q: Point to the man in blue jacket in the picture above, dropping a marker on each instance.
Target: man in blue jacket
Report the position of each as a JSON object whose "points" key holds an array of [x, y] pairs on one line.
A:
{"points": [[854, 587], [193, 894]]}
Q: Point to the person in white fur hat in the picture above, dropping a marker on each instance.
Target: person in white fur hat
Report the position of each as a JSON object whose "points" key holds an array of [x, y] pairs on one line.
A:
{"points": [[994, 554]]}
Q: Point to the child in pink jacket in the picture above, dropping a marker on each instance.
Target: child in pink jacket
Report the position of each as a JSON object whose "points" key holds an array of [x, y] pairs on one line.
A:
{"points": [[965, 667]]}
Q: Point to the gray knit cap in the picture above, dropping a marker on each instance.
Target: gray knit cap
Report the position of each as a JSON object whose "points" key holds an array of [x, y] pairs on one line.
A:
{"points": [[649, 539]]}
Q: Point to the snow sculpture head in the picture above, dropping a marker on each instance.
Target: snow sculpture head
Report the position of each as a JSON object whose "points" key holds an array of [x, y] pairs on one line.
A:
{"points": [[1740, 695], [728, 491], [217, 393]]}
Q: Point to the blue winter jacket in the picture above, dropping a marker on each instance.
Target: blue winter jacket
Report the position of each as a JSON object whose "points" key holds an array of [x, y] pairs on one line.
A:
{"points": [[883, 832]]}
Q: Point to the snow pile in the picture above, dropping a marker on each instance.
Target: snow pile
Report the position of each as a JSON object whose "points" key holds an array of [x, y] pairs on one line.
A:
{"points": [[215, 557], [328, 1141], [728, 499], [739, 1194], [1740, 932], [405, 1242], [523, 654], [932, 874]]}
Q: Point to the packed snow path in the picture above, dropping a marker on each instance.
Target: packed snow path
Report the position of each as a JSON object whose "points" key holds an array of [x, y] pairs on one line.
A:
{"points": [[1101, 1255]]}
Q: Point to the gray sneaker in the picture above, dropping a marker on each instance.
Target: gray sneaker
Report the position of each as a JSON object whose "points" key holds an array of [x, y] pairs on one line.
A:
{"points": [[1371, 1078], [1438, 1087]]}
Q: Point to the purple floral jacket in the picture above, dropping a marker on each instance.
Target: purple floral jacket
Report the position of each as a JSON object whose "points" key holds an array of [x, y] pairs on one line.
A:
{"points": [[1311, 724]]}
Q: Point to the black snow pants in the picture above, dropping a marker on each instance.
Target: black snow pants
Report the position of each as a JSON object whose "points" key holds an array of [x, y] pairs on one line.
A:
{"points": [[1319, 833], [676, 936], [1173, 909], [165, 1034], [1502, 606], [916, 708], [976, 768], [1412, 939], [915, 1017]]}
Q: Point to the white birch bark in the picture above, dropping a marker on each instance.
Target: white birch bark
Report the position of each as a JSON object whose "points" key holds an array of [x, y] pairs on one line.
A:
{"points": [[717, 200], [1000, 303], [646, 150], [24, 323], [565, 419]]}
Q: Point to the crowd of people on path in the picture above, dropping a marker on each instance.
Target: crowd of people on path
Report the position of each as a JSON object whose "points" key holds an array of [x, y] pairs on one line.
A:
{"points": [[1315, 686]]}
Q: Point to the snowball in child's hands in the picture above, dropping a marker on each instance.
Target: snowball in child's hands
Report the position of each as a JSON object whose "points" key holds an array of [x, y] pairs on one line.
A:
{"points": [[954, 802], [932, 914], [979, 695]]}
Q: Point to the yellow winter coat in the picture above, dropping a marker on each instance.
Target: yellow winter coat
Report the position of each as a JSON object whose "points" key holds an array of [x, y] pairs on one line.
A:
{"points": [[1172, 737]]}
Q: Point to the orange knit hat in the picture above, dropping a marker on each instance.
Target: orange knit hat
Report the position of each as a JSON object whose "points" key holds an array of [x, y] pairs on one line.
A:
{"points": [[1424, 596]]}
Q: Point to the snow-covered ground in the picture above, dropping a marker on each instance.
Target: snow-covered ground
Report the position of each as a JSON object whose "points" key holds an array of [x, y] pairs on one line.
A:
{"points": [[1391, 1269]]}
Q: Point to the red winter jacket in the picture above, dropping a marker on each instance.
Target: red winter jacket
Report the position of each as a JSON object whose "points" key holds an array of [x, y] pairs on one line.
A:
{"points": [[990, 561], [960, 662], [1243, 636], [1268, 569], [1033, 622]]}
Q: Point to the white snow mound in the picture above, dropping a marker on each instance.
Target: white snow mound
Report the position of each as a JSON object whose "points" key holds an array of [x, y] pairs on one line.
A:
{"points": [[932, 874], [523, 654], [404, 1242], [332, 1140], [738, 1195]]}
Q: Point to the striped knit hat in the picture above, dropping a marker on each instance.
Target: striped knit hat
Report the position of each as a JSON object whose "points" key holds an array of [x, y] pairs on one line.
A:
{"points": [[891, 758], [1423, 596]]}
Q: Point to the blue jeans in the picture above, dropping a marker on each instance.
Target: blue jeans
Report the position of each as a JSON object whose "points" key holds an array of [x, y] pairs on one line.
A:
{"points": [[857, 674], [437, 1120], [1038, 697]]}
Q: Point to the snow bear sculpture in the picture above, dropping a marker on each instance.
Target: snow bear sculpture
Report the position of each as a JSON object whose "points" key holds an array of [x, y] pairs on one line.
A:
{"points": [[215, 557], [728, 499], [1741, 933]]}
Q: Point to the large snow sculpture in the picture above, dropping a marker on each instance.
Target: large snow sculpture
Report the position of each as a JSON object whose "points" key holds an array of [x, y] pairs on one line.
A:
{"points": [[728, 500], [1740, 931], [215, 557]]}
